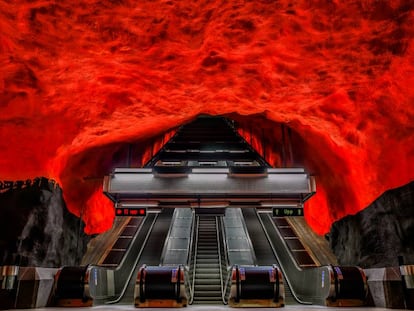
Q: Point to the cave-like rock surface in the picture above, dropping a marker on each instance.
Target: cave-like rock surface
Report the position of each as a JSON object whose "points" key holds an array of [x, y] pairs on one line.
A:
{"points": [[80, 81], [376, 236], [36, 229]]}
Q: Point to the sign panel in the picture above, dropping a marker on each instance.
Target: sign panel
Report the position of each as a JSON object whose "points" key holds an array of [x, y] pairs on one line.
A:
{"points": [[131, 211], [287, 211]]}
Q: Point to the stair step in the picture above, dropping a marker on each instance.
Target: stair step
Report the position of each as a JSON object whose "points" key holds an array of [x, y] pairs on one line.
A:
{"points": [[214, 294], [207, 289], [207, 254], [208, 263], [206, 302], [208, 257], [207, 276], [207, 269], [213, 284], [207, 266], [214, 264], [207, 248]]}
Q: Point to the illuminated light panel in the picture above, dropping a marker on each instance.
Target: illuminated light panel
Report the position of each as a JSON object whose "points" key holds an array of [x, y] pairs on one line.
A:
{"points": [[139, 211]]}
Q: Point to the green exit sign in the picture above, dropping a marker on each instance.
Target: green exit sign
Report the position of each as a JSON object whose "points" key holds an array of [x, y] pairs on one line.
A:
{"points": [[287, 211]]}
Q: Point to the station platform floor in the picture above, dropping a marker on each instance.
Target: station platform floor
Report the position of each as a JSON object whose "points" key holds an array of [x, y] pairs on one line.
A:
{"points": [[217, 308]]}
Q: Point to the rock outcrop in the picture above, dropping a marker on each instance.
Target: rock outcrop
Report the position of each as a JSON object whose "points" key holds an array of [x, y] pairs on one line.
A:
{"points": [[35, 227], [376, 236]]}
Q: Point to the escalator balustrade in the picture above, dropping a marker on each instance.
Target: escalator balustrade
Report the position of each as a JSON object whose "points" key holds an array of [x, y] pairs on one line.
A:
{"points": [[158, 286], [71, 288], [257, 286]]}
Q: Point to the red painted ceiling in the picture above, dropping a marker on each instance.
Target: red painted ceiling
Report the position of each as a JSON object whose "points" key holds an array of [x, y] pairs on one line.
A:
{"points": [[80, 79]]}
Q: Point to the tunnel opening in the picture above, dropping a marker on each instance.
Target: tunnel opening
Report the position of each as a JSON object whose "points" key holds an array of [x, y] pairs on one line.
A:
{"points": [[281, 144]]}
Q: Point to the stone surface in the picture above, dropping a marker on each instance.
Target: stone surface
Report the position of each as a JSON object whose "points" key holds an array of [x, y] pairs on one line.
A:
{"points": [[79, 82], [385, 287], [35, 227], [376, 236]]}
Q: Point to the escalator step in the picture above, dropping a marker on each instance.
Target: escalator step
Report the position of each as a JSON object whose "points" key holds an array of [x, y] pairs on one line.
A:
{"points": [[215, 282], [204, 271], [208, 301], [204, 276], [208, 261], [212, 267], [211, 262], [208, 256], [208, 288], [204, 294]]}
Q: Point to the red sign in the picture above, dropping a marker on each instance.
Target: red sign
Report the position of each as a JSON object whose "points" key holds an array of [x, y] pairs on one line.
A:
{"points": [[141, 211]]}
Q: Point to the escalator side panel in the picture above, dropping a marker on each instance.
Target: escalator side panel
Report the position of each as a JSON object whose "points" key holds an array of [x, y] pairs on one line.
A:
{"points": [[261, 246], [309, 285], [108, 284], [263, 249], [150, 255]]}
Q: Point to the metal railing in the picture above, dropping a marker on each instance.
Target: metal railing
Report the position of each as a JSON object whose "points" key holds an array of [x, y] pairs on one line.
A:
{"points": [[219, 245], [194, 261]]}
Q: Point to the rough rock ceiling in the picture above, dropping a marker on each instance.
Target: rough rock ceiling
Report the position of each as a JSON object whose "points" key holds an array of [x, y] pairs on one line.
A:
{"points": [[77, 79]]}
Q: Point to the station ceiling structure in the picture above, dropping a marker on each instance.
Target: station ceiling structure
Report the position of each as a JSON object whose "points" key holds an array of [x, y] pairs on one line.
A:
{"points": [[79, 83]]}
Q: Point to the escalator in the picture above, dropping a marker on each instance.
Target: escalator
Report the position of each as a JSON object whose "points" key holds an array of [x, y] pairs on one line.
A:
{"points": [[208, 165], [108, 285], [151, 252], [206, 267], [265, 255], [322, 285], [207, 169], [118, 250]]}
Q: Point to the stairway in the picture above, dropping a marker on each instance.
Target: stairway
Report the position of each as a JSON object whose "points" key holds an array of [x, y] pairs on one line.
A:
{"points": [[207, 264]]}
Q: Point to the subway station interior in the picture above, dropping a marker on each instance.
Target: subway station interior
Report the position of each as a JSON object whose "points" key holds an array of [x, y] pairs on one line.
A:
{"points": [[207, 222], [206, 155]]}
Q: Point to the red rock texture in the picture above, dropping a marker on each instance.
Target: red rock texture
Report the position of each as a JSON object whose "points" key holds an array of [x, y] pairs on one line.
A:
{"points": [[81, 80]]}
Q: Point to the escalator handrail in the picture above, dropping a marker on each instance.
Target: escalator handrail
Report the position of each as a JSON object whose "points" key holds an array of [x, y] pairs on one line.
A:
{"points": [[226, 260], [191, 249], [223, 240], [165, 247], [190, 244], [219, 256], [249, 241], [194, 260], [118, 299], [295, 296]]}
